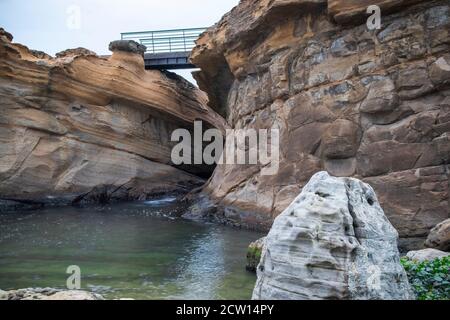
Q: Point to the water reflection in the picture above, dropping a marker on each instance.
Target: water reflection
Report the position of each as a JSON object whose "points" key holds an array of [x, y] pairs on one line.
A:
{"points": [[127, 250]]}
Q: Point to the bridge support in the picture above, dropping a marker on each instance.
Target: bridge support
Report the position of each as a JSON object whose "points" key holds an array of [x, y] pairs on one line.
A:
{"points": [[166, 49], [168, 61]]}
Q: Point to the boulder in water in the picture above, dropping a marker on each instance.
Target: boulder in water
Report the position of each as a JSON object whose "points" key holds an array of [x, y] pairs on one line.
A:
{"points": [[254, 252]]}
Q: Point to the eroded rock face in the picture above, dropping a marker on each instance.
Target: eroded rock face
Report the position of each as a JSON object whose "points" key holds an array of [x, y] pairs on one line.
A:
{"points": [[347, 11], [369, 104], [332, 242], [81, 128]]}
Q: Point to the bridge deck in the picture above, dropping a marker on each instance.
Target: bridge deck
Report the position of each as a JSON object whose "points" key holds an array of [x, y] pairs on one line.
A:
{"points": [[168, 61], [167, 49]]}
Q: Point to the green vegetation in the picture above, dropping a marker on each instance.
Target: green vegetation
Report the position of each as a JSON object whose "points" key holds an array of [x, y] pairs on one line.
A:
{"points": [[430, 279], [253, 257]]}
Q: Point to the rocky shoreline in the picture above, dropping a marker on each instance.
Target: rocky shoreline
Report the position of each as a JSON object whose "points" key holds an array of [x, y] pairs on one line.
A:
{"points": [[48, 294]]}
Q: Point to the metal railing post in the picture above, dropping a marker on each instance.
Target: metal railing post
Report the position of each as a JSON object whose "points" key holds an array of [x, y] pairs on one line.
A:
{"points": [[165, 40], [153, 42]]}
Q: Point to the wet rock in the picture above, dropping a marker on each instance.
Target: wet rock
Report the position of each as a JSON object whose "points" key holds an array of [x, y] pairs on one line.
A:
{"points": [[439, 237], [426, 255], [332, 242], [254, 252]]}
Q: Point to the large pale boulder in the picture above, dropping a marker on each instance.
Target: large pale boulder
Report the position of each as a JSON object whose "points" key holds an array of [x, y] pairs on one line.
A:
{"points": [[426, 255], [333, 242], [439, 237]]}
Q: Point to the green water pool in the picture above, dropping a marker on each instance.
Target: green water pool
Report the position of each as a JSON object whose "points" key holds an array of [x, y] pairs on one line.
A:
{"points": [[129, 250]]}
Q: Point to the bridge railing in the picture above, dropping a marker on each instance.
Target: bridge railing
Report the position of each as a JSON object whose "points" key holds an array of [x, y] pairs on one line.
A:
{"points": [[163, 41]]}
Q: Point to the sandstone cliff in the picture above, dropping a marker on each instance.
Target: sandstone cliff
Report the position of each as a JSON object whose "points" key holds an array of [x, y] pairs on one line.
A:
{"points": [[80, 127], [368, 104]]}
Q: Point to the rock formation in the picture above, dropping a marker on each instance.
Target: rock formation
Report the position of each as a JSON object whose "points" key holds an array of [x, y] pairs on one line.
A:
{"points": [[426, 255], [48, 294], [254, 252], [80, 127], [332, 242], [439, 237], [369, 104]]}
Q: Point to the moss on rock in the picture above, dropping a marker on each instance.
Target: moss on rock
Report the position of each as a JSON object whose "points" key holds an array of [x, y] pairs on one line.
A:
{"points": [[254, 252]]}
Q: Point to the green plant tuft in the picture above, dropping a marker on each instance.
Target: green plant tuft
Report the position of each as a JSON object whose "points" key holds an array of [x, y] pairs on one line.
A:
{"points": [[429, 279]]}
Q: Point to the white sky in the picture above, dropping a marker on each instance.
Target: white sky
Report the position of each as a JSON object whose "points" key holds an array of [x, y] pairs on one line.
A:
{"points": [[45, 24]]}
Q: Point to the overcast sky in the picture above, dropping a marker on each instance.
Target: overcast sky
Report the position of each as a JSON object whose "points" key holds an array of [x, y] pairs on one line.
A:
{"points": [[52, 25]]}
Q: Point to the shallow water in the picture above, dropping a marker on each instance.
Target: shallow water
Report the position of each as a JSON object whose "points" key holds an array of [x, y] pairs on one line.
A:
{"points": [[125, 251]]}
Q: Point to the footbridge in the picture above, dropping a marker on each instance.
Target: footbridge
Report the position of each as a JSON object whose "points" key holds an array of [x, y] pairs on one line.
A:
{"points": [[166, 49]]}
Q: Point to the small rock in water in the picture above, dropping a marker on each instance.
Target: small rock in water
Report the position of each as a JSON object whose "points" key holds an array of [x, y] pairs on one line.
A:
{"points": [[333, 242], [254, 254]]}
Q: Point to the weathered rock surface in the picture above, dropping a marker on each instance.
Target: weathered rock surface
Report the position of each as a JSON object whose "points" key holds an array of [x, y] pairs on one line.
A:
{"points": [[369, 104], [48, 294], [81, 128], [426, 255], [439, 237], [127, 46], [332, 242], [349, 11]]}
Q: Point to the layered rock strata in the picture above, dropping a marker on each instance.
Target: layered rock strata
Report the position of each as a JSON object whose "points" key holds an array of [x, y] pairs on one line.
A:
{"points": [[332, 242], [80, 128], [372, 104]]}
